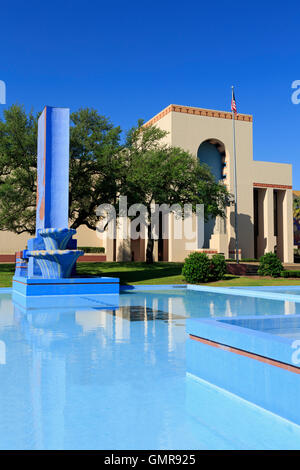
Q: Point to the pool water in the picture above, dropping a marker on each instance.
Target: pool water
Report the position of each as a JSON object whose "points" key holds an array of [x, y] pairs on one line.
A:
{"points": [[101, 378], [285, 332]]}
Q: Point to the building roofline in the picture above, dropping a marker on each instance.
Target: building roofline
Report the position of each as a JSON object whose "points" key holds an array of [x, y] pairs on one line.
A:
{"points": [[197, 112]]}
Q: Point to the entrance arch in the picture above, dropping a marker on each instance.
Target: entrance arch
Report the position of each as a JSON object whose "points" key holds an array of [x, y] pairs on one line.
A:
{"points": [[212, 153]]}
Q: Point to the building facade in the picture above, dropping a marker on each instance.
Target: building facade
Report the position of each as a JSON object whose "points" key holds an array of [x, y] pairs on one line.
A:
{"points": [[264, 189], [264, 194]]}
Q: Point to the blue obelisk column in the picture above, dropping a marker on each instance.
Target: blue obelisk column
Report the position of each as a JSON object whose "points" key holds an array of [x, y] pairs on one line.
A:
{"points": [[52, 178], [47, 267], [53, 169]]}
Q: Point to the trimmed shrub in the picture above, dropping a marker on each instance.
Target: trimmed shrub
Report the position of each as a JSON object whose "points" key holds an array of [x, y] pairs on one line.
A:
{"points": [[270, 265], [196, 268], [218, 267], [290, 274], [199, 268]]}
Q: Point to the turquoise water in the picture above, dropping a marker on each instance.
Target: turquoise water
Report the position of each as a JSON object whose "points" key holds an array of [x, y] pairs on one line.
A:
{"points": [[293, 333], [94, 378]]}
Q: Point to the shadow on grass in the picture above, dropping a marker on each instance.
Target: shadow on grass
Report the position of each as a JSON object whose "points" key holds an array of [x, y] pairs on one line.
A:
{"points": [[127, 272], [7, 268], [131, 272]]}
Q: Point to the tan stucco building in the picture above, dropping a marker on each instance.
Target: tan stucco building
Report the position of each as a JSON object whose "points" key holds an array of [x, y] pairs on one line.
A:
{"points": [[264, 189], [264, 193]]}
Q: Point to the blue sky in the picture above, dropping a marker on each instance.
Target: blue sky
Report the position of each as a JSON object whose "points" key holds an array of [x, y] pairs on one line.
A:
{"points": [[131, 59]]}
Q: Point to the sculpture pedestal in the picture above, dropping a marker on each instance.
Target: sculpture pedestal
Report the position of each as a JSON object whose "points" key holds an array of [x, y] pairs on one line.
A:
{"points": [[35, 287]]}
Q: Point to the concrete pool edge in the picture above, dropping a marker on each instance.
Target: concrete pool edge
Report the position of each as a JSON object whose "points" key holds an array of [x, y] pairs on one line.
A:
{"points": [[249, 334], [258, 292], [242, 291], [131, 287], [247, 291]]}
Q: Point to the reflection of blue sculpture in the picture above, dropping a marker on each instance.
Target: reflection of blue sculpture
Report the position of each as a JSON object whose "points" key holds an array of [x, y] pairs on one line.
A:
{"points": [[52, 254]]}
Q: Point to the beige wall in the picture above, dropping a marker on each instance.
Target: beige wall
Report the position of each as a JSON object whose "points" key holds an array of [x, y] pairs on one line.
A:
{"points": [[87, 237], [11, 242], [188, 132]]}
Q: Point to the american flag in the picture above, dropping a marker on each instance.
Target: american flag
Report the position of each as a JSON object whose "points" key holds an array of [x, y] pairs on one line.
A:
{"points": [[233, 103]]}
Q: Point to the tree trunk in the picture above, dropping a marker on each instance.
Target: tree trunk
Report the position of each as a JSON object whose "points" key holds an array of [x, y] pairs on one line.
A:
{"points": [[150, 246]]}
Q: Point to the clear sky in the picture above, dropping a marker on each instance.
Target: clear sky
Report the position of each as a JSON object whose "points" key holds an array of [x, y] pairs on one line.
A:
{"points": [[131, 59]]}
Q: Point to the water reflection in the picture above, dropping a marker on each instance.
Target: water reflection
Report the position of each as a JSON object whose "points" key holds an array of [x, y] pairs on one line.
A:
{"points": [[94, 374], [88, 377]]}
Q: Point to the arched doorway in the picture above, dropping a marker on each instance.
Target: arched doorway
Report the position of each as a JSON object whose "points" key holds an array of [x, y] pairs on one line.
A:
{"points": [[212, 153]]}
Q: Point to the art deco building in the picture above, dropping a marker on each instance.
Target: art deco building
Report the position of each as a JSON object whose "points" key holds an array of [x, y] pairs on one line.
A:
{"points": [[264, 189]]}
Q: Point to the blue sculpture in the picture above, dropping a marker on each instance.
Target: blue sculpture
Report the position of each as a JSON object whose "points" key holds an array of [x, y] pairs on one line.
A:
{"points": [[52, 254]]}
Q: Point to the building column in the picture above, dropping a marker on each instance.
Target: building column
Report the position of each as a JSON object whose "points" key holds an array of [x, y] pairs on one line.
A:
{"points": [[288, 231], [123, 241], [108, 243], [171, 236], [261, 235], [268, 209]]}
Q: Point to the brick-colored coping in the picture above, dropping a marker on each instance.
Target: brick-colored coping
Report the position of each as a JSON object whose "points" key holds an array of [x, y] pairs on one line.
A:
{"points": [[241, 352], [269, 185], [197, 112]]}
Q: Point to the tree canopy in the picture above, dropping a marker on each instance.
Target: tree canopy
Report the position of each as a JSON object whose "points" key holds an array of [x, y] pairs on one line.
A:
{"points": [[296, 208], [18, 161], [160, 174], [94, 167]]}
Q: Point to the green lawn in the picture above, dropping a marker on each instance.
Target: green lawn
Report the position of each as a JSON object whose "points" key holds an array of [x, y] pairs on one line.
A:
{"points": [[158, 273], [6, 274]]}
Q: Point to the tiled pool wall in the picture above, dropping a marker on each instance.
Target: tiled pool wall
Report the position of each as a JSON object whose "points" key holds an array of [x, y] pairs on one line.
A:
{"points": [[239, 356], [239, 422]]}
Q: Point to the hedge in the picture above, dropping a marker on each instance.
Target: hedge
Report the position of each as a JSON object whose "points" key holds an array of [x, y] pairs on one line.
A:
{"points": [[290, 274], [92, 249]]}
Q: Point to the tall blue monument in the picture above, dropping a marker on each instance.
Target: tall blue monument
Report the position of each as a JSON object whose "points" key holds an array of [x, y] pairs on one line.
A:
{"points": [[47, 266]]}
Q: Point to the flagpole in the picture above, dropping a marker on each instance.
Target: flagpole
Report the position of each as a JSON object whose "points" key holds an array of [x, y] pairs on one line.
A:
{"points": [[235, 188]]}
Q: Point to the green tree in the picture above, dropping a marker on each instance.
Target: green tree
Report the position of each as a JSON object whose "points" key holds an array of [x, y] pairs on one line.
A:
{"points": [[158, 173], [18, 160], [95, 160], [296, 208], [95, 166]]}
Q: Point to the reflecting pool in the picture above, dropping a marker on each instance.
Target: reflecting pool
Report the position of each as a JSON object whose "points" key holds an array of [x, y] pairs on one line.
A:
{"points": [[113, 376]]}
